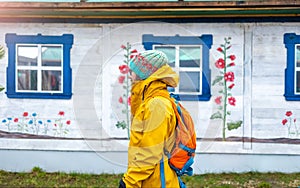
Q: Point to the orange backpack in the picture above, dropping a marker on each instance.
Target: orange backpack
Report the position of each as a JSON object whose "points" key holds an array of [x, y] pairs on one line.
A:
{"points": [[182, 155]]}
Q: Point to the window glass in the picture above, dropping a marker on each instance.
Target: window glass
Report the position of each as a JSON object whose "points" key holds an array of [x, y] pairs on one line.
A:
{"points": [[297, 70], [298, 56], [27, 55], [189, 82], [189, 56], [51, 80], [298, 81], [27, 80], [51, 55]]}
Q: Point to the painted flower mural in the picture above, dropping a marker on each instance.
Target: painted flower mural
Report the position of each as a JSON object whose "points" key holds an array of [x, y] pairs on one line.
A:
{"points": [[34, 124], [225, 80], [124, 80], [291, 123]]}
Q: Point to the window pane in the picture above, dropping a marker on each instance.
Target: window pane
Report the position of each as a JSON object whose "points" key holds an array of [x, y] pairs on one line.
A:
{"points": [[51, 80], [170, 52], [189, 56], [27, 55], [298, 81], [51, 55], [298, 56], [189, 82], [27, 80]]}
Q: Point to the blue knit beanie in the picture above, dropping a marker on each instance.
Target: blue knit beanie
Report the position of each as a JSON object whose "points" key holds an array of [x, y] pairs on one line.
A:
{"points": [[147, 62]]}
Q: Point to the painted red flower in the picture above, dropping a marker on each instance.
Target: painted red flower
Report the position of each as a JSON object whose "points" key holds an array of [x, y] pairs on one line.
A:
{"points": [[129, 100], [220, 63], [16, 120], [134, 51], [68, 122], [295, 120], [284, 121], [229, 76], [220, 49], [55, 125], [120, 100], [121, 79], [218, 100], [123, 46], [231, 101], [61, 113], [232, 57], [124, 69], [231, 86], [288, 113], [231, 64], [25, 114]]}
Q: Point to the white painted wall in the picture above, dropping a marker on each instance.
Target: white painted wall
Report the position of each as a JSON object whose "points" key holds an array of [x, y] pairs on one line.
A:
{"points": [[94, 110]]}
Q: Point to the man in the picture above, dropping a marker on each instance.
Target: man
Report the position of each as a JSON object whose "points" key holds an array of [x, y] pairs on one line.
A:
{"points": [[153, 124]]}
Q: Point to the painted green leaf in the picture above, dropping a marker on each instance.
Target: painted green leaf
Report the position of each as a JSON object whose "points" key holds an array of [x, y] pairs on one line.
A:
{"points": [[217, 79], [234, 125], [1, 88], [216, 115], [121, 125]]}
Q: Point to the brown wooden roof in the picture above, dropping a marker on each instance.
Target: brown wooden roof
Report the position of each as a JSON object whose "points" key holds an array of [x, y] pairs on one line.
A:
{"points": [[148, 10]]}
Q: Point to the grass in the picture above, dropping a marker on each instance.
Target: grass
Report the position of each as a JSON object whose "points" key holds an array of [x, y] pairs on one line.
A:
{"points": [[38, 178]]}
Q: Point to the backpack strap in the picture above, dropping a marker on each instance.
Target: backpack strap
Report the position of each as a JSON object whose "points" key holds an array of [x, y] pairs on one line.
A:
{"points": [[175, 104], [162, 173]]}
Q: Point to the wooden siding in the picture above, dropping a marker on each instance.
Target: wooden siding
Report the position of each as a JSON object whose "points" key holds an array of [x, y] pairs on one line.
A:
{"points": [[94, 107]]}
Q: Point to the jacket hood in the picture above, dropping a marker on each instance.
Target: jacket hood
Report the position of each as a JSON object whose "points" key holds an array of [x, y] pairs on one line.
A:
{"points": [[158, 81], [165, 74]]}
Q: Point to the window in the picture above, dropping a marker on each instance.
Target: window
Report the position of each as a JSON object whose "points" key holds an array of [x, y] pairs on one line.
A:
{"points": [[189, 56], [39, 66], [292, 71]]}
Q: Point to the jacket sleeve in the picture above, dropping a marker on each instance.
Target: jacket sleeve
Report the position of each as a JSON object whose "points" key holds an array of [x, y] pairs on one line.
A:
{"points": [[149, 130]]}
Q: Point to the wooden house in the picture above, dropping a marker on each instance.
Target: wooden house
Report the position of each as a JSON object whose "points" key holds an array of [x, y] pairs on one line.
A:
{"points": [[65, 104]]}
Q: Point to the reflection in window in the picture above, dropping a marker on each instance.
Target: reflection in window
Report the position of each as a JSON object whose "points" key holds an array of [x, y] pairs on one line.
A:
{"points": [[189, 82], [27, 55], [298, 81], [51, 56], [189, 56], [297, 70], [27, 80], [51, 80]]}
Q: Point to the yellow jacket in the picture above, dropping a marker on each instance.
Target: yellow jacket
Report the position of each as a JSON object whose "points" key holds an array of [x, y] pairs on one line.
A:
{"points": [[152, 131]]}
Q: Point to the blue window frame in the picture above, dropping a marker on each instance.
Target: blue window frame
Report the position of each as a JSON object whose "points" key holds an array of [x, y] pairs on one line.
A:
{"points": [[189, 56], [39, 66], [292, 71]]}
